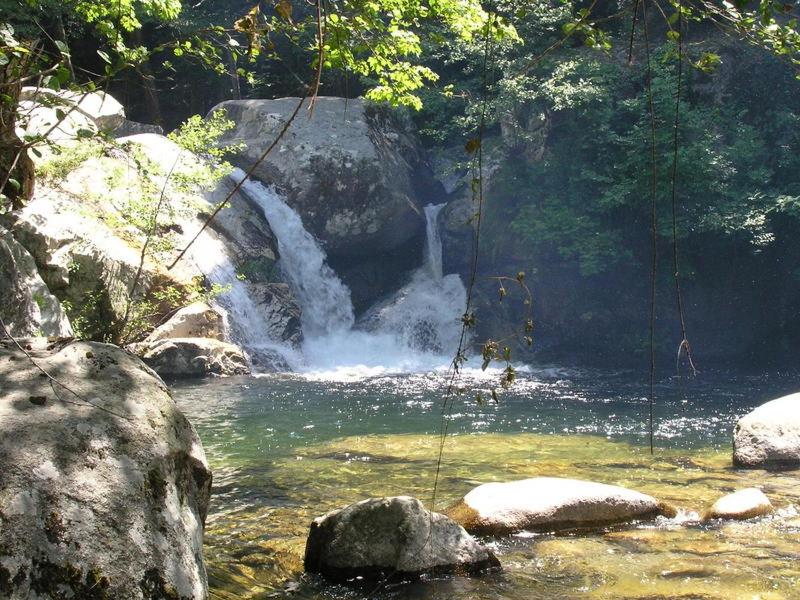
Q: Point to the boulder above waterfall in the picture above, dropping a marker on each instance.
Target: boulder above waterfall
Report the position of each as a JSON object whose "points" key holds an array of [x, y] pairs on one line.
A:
{"points": [[355, 173], [550, 503], [352, 169], [379, 537]]}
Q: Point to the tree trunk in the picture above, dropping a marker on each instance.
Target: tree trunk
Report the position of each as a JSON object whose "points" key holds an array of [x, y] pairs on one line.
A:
{"points": [[16, 167]]}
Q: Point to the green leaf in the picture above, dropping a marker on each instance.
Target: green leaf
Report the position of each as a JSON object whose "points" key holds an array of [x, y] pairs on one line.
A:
{"points": [[62, 47], [284, 9]]}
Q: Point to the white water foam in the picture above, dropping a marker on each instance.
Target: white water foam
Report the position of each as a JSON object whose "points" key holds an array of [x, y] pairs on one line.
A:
{"points": [[243, 321], [416, 330]]}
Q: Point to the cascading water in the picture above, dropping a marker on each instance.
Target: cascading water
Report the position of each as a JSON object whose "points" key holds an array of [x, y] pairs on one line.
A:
{"points": [[425, 313], [418, 328], [243, 320], [325, 300]]}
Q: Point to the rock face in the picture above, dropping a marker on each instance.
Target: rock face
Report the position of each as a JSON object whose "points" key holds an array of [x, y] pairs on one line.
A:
{"points": [[769, 436], [382, 536], [80, 258], [193, 357], [197, 320], [356, 175], [281, 312], [550, 503], [103, 494], [458, 219], [26, 305], [744, 504]]}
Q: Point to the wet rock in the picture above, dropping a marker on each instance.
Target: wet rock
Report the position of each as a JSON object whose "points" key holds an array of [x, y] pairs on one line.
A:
{"points": [[743, 504], [769, 436], [378, 537], [26, 305], [197, 320], [247, 234], [104, 491], [280, 310], [550, 503], [192, 357]]}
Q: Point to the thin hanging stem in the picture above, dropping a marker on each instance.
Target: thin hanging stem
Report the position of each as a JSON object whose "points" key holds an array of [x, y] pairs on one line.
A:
{"points": [[653, 226], [684, 344]]}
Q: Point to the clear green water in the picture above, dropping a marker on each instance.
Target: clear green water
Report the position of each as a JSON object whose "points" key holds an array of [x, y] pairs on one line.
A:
{"points": [[287, 448]]}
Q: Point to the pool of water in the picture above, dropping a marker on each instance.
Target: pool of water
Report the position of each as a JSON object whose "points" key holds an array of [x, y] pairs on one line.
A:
{"points": [[287, 448]]}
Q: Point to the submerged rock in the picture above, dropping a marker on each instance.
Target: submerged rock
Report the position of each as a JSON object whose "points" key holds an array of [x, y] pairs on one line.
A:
{"points": [[197, 320], [193, 357], [743, 504], [769, 436], [551, 503], [379, 537], [104, 491], [26, 305]]}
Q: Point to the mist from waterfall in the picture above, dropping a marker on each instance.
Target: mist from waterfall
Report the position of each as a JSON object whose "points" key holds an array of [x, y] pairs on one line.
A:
{"points": [[416, 329]]}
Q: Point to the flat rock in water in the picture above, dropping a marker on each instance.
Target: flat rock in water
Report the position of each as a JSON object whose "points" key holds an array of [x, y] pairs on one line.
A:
{"points": [[551, 503], [769, 436], [395, 536], [744, 504]]}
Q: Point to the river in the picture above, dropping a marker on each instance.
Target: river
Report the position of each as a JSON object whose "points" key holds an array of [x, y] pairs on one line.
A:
{"points": [[286, 448]]}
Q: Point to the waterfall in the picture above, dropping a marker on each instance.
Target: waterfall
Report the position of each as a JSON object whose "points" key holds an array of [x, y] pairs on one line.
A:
{"points": [[433, 241], [243, 320], [417, 328], [324, 299], [424, 314]]}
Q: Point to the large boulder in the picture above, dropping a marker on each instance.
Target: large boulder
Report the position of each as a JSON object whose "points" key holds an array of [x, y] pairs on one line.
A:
{"points": [[193, 357], [26, 305], [103, 109], [105, 485], [355, 173], [198, 320], [769, 436], [550, 503], [744, 504], [396, 536]]}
